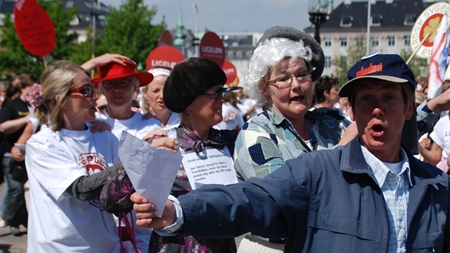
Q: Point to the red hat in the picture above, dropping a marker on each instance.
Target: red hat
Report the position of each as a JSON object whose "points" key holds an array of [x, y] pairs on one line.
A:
{"points": [[114, 71]]}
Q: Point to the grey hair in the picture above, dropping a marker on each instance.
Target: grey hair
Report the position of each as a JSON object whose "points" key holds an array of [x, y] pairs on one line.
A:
{"points": [[266, 56]]}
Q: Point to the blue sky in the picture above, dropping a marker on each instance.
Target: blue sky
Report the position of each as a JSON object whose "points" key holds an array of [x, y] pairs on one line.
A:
{"points": [[232, 15]]}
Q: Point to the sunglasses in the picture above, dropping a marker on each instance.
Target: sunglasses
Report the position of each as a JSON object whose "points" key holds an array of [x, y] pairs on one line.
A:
{"points": [[220, 93], [119, 83], [85, 90]]}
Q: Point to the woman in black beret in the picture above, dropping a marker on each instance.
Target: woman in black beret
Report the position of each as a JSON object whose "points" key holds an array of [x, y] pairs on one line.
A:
{"points": [[195, 90]]}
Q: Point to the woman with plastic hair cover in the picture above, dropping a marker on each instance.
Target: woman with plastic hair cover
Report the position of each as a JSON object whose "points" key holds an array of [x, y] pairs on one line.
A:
{"points": [[282, 70], [153, 98]]}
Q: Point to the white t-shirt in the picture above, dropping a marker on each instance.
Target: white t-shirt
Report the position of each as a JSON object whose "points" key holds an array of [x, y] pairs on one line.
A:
{"points": [[58, 222], [173, 122], [441, 135], [232, 118], [138, 127], [135, 125]]}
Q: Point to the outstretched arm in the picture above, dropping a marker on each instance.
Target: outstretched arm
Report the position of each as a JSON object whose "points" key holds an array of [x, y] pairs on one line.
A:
{"points": [[103, 60]]}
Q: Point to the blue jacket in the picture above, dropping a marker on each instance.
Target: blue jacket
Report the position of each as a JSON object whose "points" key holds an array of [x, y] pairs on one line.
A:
{"points": [[324, 201]]}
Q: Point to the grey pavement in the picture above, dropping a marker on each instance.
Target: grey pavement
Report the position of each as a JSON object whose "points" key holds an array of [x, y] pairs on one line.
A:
{"points": [[10, 243]]}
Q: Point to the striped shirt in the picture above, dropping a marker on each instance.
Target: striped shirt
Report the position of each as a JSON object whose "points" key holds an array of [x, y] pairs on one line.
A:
{"points": [[395, 188]]}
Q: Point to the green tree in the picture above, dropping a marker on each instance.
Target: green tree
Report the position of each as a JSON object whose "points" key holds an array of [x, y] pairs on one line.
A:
{"points": [[419, 66], [342, 66], [130, 32], [15, 59], [355, 50], [82, 52]]}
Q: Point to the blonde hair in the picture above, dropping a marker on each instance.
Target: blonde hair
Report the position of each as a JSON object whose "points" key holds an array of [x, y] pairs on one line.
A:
{"points": [[57, 79], [266, 56]]}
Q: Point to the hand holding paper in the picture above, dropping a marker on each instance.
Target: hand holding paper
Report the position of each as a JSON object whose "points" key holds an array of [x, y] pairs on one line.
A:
{"points": [[151, 171], [146, 216]]}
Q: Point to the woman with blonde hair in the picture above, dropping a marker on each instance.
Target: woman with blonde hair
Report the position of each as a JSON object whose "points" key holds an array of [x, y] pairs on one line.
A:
{"points": [[67, 167], [153, 98]]}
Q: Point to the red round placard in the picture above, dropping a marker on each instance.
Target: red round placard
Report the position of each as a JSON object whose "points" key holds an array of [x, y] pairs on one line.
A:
{"points": [[34, 27], [165, 39], [211, 47], [165, 56], [230, 72]]}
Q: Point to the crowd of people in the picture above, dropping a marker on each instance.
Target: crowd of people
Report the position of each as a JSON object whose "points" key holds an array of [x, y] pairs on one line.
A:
{"points": [[313, 165]]}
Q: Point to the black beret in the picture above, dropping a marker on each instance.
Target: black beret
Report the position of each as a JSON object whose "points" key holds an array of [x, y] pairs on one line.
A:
{"points": [[188, 80], [318, 59]]}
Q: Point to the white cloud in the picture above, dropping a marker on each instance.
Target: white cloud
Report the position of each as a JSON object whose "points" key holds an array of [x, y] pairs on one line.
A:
{"points": [[231, 15]]}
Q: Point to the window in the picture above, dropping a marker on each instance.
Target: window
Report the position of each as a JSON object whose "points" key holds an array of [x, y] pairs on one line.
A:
{"points": [[346, 21], [391, 40], [343, 41], [406, 40], [376, 20], [410, 19], [239, 54], [359, 40], [75, 20], [102, 20], [249, 53], [327, 41], [230, 54], [69, 5], [327, 61], [375, 41]]}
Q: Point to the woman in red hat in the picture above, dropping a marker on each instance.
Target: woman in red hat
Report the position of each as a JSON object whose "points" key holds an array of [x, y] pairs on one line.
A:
{"points": [[118, 82]]}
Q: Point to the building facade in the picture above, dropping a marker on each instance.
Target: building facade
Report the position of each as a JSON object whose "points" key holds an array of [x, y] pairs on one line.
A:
{"points": [[391, 23]]}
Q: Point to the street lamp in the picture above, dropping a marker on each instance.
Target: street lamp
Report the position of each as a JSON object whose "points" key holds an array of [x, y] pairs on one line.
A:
{"points": [[196, 27], [318, 14]]}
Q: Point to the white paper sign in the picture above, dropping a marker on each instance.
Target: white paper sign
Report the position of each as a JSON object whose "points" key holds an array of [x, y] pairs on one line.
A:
{"points": [[212, 167], [152, 171]]}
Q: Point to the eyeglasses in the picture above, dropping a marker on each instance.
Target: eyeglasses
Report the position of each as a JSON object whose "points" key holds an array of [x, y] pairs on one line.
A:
{"points": [[285, 82], [220, 93], [85, 90], [118, 83]]}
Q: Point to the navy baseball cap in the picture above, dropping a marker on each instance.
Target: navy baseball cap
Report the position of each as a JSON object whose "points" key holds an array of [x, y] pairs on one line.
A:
{"points": [[388, 67]]}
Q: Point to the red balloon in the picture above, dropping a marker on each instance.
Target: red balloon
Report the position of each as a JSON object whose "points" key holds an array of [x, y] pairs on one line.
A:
{"points": [[34, 27], [164, 56], [211, 47]]}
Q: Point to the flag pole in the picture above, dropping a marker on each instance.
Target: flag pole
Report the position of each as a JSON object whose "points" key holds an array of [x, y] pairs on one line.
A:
{"points": [[417, 49]]}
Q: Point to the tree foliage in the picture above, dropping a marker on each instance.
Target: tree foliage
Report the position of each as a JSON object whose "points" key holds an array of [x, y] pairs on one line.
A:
{"points": [[130, 32], [419, 66], [82, 52], [15, 59]]}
